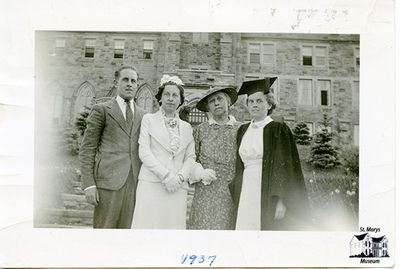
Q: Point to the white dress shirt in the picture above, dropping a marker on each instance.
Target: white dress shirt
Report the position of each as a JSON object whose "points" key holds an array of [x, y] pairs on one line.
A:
{"points": [[122, 105]]}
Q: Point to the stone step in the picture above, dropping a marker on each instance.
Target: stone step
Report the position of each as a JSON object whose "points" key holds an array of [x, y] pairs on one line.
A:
{"points": [[74, 213], [69, 217], [63, 226], [76, 186], [75, 201]]}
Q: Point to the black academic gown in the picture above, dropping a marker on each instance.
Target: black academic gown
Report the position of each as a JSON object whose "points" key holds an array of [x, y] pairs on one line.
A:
{"points": [[282, 178]]}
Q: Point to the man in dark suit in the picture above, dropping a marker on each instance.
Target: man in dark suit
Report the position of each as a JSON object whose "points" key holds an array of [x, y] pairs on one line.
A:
{"points": [[109, 154]]}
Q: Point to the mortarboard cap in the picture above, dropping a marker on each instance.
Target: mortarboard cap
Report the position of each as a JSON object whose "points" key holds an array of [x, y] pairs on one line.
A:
{"points": [[258, 85]]}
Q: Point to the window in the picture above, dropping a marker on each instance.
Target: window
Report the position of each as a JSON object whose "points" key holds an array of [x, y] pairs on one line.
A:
{"points": [[200, 38], [261, 53], [307, 55], [148, 47], [314, 55], [268, 53], [254, 54], [90, 43], [357, 57], [324, 91], [84, 98], [144, 98], [320, 56], [60, 46], [310, 127], [305, 96], [329, 129], [356, 135], [356, 94], [119, 46], [196, 116]]}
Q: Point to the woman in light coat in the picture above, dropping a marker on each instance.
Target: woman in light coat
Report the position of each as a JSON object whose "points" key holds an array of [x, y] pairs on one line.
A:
{"points": [[166, 148]]}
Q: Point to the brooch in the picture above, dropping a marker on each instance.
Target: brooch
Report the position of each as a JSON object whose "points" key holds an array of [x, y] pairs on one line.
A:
{"points": [[172, 123]]}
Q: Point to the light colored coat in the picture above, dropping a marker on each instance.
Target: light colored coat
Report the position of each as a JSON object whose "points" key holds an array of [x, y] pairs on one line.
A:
{"points": [[155, 153]]}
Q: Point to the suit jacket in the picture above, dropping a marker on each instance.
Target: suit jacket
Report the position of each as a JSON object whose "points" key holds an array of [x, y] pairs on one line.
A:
{"points": [[282, 178], [155, 153], [109, 148]]}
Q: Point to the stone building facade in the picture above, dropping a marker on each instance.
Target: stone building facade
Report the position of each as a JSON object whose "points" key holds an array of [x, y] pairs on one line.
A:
{"points": [[317, 73]]}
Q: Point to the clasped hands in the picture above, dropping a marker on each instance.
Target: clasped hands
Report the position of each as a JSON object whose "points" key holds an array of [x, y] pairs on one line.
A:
{"points": [[205, 175], [172, 182]]}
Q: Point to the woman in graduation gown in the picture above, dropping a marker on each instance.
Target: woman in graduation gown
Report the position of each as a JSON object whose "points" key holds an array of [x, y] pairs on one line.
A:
{"points": [[269, 190]]}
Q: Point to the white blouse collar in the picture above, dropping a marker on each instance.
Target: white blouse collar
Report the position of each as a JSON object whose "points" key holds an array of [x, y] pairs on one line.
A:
{"points": [[261, 124], [231, 121]]}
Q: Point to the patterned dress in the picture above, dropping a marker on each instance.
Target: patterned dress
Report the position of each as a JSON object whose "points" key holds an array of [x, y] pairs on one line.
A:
{"points": [[212, 206]]}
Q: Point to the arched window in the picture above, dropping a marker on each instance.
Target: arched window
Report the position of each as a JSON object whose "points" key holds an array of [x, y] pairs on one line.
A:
{"points": [[144, 98], [85, 96]]}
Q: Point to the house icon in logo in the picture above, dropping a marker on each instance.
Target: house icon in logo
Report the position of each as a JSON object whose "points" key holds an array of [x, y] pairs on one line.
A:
{"points": [[364, 245]]}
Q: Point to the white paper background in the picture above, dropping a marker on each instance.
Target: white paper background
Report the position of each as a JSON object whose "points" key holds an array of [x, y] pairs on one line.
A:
{"points": [[23, 246]]}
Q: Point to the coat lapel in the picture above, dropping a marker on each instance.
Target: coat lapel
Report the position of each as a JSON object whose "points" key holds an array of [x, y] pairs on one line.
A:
{"points": [[160, 133], [116, 113], [185, 135]]}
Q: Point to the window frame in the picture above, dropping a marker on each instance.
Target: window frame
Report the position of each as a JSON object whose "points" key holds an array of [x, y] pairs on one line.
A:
{"points": [[311, 133], [86, 46], [262, 53], [144, 40], [119, 49], [312, 92], [318, 92], [314, 56], [60, 50]]}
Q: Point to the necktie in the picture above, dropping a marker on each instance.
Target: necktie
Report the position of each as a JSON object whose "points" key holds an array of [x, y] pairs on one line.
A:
{"points": [[128, 114]]}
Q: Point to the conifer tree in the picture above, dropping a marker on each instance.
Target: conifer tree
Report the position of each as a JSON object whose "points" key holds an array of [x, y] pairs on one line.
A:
{"points": [[323, 153], [301, 134]]}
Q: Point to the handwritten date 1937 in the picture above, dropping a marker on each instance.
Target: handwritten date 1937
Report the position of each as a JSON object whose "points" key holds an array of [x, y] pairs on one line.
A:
{"points": [[198, 259]]}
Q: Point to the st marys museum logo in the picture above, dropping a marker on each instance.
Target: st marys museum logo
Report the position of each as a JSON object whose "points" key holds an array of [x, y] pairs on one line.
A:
{"points": [[366, 246]]}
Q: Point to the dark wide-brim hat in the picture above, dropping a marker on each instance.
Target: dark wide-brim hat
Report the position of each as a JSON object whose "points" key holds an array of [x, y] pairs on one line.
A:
{"points": [[231, 92]]}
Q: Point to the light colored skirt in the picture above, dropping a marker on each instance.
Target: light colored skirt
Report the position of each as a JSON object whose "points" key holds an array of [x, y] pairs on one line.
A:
{"points": [[249, 210], [156, 208]]}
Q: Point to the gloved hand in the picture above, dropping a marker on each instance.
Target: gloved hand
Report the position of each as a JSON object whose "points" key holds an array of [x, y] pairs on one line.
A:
{"points": [[172, 182], [208, 176]]}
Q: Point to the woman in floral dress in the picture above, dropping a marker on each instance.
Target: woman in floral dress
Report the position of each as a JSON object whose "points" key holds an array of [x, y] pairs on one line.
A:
{"points": [[215, 146]]}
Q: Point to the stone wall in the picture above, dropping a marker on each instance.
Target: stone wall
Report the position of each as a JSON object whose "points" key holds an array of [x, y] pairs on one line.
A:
{"points": [[223, 61]]}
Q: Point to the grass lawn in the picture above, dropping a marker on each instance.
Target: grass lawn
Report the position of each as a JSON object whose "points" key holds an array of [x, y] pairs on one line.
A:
{"points": [[333, 195]]}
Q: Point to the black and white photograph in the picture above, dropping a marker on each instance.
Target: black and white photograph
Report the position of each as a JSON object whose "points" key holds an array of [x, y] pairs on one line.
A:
{"points": [[201, 131], [197, 134]]}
